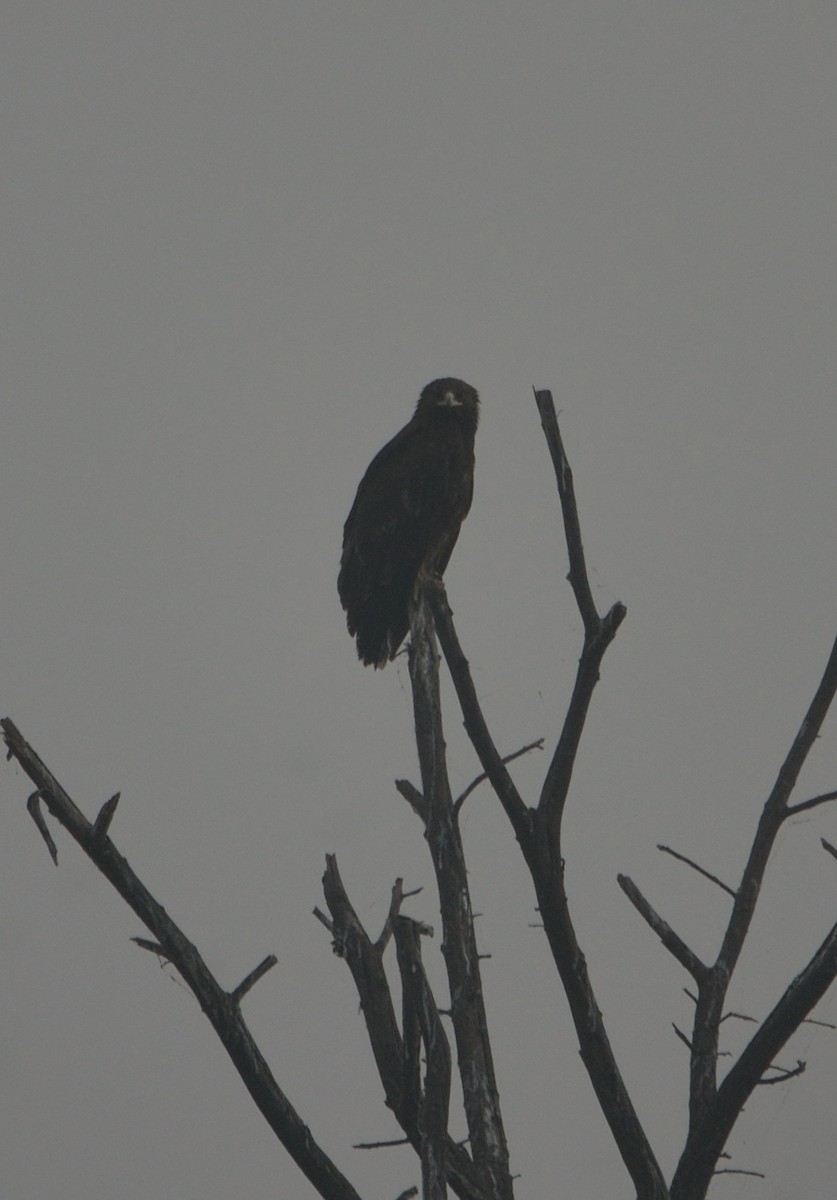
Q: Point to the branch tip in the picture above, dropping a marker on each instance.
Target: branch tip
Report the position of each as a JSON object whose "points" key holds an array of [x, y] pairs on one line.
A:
{"points": [[672, 942], [33, 807], [323, 919], [249, 981], [104, 818], [151, 947]]}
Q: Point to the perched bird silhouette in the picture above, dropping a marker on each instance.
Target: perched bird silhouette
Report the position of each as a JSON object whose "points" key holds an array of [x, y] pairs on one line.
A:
{"points": [[406, 517]]}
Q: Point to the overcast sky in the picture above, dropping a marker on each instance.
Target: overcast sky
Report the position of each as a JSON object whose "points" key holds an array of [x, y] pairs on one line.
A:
{"points": [[237, 240]]}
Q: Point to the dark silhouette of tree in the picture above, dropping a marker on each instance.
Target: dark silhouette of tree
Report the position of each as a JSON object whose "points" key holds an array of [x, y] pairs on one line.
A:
{"points": [[413, 1055]]}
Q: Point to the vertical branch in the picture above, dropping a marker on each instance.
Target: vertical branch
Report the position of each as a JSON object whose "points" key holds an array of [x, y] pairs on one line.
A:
{"points": [[544, 852], [397, 1057], [365, 961], [599, 632], [569, 510], [538, 842], [476, 1064], [706, 1139], [420, 1013], [712, 1109], [539, 831]]}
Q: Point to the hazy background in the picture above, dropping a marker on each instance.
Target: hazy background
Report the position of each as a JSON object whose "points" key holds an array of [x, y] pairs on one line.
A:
{"points": [[237, 241]]}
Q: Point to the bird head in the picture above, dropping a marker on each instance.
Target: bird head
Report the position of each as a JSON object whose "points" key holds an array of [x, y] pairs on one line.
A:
{"points": [[449, 394]]}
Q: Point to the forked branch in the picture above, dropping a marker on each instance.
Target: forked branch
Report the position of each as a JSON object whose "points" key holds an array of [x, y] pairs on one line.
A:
{"points": [[396, 1051], [712, 1109], [222, 1008], [539, 830]]}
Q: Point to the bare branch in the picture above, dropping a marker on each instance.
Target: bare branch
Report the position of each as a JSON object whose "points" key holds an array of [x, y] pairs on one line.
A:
{"points": [[700, 870], [420, 1012], [323, 919], [365, 961], [507, 758], [413, 797], [682, 1036], [807, 735], [707, 1138], [738, 1171], [599, 632], [381, 1145], [222, 1012], [102, 823], [705, 1102], [783, 1074], [539, 830], [474, 1057], [396, 899], [737, 1016], [674, 944], [250, 981], [475, 725], [814, 802], [556, 785], [828, 846], [33, 807], [572, 530], [151, 947]]}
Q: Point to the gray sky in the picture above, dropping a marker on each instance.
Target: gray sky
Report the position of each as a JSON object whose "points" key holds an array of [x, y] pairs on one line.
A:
{"points": [[237, 240]]}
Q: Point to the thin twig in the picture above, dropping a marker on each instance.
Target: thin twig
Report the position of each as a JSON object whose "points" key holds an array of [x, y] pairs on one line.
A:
{"points": [[739, 1171], [783, 1074], [474, 784], [402, 1141], [737, 1016], [814, 802], [695, 867], [33, 807], [682, 1036]]}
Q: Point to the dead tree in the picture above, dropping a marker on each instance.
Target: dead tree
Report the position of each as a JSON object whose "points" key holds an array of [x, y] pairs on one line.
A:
{"points": [[413, 1055]]}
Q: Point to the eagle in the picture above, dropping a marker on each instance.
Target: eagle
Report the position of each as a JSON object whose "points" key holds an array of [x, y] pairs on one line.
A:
{"points": [[406, 517]]}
